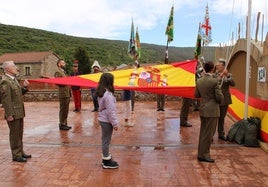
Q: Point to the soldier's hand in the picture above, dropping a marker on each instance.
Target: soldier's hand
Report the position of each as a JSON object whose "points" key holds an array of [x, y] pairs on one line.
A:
{"points": [[10, 118], [26, 83]]}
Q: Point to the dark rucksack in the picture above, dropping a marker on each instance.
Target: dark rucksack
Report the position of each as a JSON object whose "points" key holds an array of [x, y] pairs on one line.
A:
{"points": [[233, 130], [245, 132], [252, 132], [240, 134]]}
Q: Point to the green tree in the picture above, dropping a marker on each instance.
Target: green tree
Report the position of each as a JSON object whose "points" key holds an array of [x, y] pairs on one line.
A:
{"points": [[83, 60]]}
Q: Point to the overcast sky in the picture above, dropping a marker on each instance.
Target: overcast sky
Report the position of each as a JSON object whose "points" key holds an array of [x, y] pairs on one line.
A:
{"points": [[111, 19]]}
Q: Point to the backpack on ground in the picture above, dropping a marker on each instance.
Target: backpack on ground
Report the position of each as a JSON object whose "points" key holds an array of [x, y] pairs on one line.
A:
{"points": [[245, 132]]}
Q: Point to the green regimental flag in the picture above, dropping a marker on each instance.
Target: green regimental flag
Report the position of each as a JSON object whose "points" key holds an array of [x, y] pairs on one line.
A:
{"points": [[170, 26], [132, 47], [138, 44], [198, 43]]}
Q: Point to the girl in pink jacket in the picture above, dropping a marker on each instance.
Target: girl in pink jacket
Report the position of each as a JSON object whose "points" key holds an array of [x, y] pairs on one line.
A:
{"points": [[107, 117]]}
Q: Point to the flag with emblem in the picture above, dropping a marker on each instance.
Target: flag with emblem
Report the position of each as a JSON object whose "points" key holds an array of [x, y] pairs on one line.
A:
{"points": [[138, 44], [206, 29], [132, 47], [198, 43], [176, 78], [170, 26]]}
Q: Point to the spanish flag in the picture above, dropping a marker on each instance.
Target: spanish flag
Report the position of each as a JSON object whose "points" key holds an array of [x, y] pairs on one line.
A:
{"points": [[177, 79]]}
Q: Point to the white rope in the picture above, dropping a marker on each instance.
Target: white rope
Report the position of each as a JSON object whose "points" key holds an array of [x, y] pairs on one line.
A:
{"points": [[227, 55], [242, 20], [230, 46]]}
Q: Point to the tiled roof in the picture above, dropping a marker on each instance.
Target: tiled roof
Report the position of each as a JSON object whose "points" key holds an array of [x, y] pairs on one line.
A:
{"points": [[25, 57]]}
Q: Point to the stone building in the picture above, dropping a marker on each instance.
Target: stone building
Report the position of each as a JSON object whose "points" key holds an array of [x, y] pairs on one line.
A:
{"points": [[33, 65]]}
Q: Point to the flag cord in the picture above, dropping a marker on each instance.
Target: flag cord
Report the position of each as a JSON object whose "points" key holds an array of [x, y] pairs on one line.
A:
{"points": [[227, 55]]}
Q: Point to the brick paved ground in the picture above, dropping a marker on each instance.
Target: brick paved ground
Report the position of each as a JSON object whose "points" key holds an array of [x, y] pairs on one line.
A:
{"points": [[155, 152]]}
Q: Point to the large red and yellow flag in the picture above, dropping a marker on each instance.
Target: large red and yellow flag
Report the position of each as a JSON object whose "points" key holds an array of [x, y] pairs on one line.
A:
{"points": [[177, 79]]}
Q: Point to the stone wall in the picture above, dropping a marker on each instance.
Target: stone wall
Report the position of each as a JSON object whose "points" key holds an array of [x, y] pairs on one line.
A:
{"points": [[52, 95]]}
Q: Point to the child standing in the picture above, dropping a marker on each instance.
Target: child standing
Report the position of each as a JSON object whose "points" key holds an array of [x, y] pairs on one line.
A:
{"points": [[107, 117]]}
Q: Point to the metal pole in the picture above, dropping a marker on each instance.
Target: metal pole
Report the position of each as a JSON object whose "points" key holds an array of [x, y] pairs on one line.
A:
{"points": [[247, 61], [166, 54]]}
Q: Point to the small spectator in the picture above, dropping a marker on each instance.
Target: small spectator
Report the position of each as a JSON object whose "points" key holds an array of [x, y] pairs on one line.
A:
{"points": [[95, 69]]}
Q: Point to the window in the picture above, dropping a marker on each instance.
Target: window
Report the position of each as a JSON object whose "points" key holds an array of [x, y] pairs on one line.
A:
{"points": [[27, 71]]}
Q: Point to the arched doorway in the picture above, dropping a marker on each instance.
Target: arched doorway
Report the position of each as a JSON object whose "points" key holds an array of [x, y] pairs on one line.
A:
{"points": [[237, 66]]}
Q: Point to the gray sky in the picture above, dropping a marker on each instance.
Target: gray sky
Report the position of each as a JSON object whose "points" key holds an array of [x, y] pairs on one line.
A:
{"points": [[111, 19]]}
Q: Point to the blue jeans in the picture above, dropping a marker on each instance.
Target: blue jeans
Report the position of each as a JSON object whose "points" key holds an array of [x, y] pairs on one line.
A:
{"points": [[95, 99]]}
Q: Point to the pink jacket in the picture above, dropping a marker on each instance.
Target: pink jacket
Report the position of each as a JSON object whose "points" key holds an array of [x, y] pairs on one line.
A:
{"points": [[107, 109]]}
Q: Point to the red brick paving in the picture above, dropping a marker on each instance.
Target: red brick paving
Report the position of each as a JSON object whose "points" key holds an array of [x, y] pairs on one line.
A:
{"points": [[155, 152]]}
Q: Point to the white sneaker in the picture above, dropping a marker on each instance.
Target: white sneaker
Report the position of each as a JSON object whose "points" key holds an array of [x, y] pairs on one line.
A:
{"points": [[128, 124]]}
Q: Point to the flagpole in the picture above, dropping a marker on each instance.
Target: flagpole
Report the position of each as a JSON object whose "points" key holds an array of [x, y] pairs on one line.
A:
{"points": [[166, 53], [247, 62]]}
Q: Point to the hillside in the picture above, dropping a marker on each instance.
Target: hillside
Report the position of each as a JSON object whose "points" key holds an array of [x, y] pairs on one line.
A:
{"points": [[107, 52]]}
